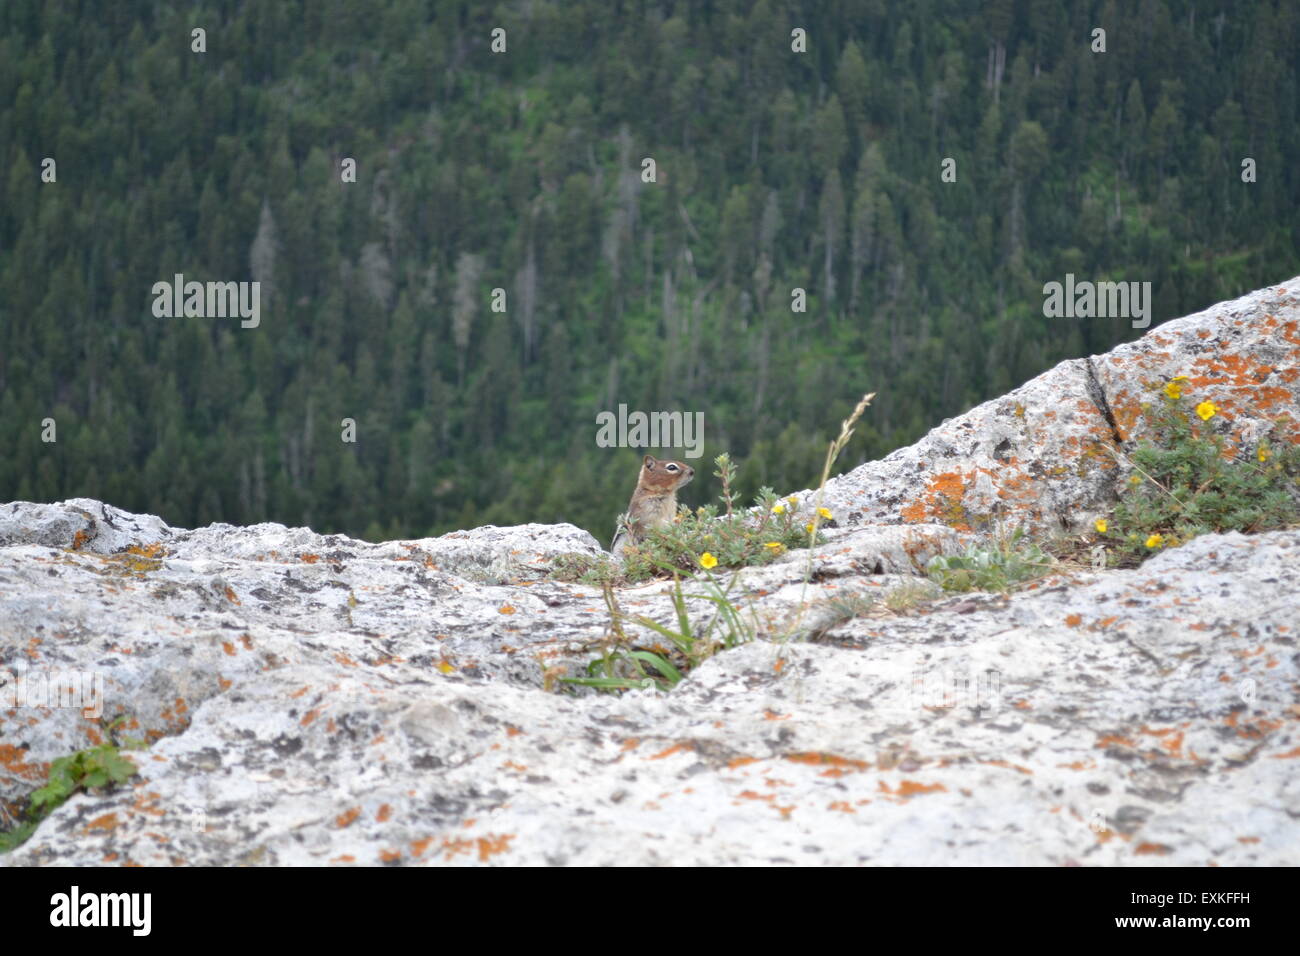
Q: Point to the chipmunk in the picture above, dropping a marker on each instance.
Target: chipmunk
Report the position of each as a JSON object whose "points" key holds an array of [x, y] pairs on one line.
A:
{"points": [[654, 503]]}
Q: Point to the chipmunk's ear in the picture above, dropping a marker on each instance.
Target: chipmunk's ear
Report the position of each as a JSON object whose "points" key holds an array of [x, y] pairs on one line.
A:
{"points": [[649, 462]]}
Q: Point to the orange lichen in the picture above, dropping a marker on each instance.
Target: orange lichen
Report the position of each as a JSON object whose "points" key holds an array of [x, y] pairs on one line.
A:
{"points": [[685, 746], [837, 766], [108, 822], [911, 788], [11, 758], [941, 501], [347, 818], [1152, 849], [491, 845]]}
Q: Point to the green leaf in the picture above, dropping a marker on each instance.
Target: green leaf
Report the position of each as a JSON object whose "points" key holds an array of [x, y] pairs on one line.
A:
{"points": [[660, 664]]}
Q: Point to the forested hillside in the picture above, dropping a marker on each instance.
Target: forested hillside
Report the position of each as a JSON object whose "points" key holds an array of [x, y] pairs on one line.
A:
{"points": [[522, 171]]}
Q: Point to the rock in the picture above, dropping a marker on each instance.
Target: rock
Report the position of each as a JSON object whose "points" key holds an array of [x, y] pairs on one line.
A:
{"points": [[82, 524], [313, 699], [1117, 717], [1043, 457]]}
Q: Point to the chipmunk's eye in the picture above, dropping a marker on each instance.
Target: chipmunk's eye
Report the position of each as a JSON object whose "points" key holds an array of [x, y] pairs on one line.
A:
{"points": [[672, 467]]}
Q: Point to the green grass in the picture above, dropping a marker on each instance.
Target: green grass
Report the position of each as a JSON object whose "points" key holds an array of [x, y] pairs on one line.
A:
{"points": [[624, 666]]}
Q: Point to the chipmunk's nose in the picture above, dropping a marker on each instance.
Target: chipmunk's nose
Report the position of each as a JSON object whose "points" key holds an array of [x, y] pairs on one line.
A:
{"points": [[690, 472]]}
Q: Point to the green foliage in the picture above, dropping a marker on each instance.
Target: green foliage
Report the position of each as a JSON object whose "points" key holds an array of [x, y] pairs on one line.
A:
{"points": [[624, 666], [478, 171], [843, 608], [732, 539], [90, 769], [87, 769], [1188, 480], [992, 567], [909, 594]]}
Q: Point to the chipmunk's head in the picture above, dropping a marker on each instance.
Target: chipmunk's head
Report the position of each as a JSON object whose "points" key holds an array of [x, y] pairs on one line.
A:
{"points": [[657, 475]]}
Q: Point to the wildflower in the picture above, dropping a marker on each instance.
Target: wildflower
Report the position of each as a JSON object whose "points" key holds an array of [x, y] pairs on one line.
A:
{"points": [[1156, 541], [779, 510], [1174, 389], [1100, 525], [793, 500], [1206, 410], [776, 547], [1135, 479], [825, 513], [809, 527], [708, 561], [1263, 454]]}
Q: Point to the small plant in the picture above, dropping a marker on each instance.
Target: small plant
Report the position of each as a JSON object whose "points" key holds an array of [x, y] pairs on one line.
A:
{"points": [[624, 666], [590, 569], [1187, 481], [909, 594], [85, 770], [701, 541], [734, 539], [819, 511], [990, 568], [840, 609]]}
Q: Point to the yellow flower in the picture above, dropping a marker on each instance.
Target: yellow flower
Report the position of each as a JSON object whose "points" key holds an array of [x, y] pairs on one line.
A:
{"points": [[1174, 389], [793, 500], [1100, 525], [708, 561], [1155, 541], [825, 513], [779, 510], [808, 527], [1135, 479], [1263, 454], [776, 546], [1206, 410]]}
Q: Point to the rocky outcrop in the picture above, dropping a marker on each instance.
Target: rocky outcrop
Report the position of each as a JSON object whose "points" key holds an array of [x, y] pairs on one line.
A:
{"points": [[1043, 456], [314, 699]]}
